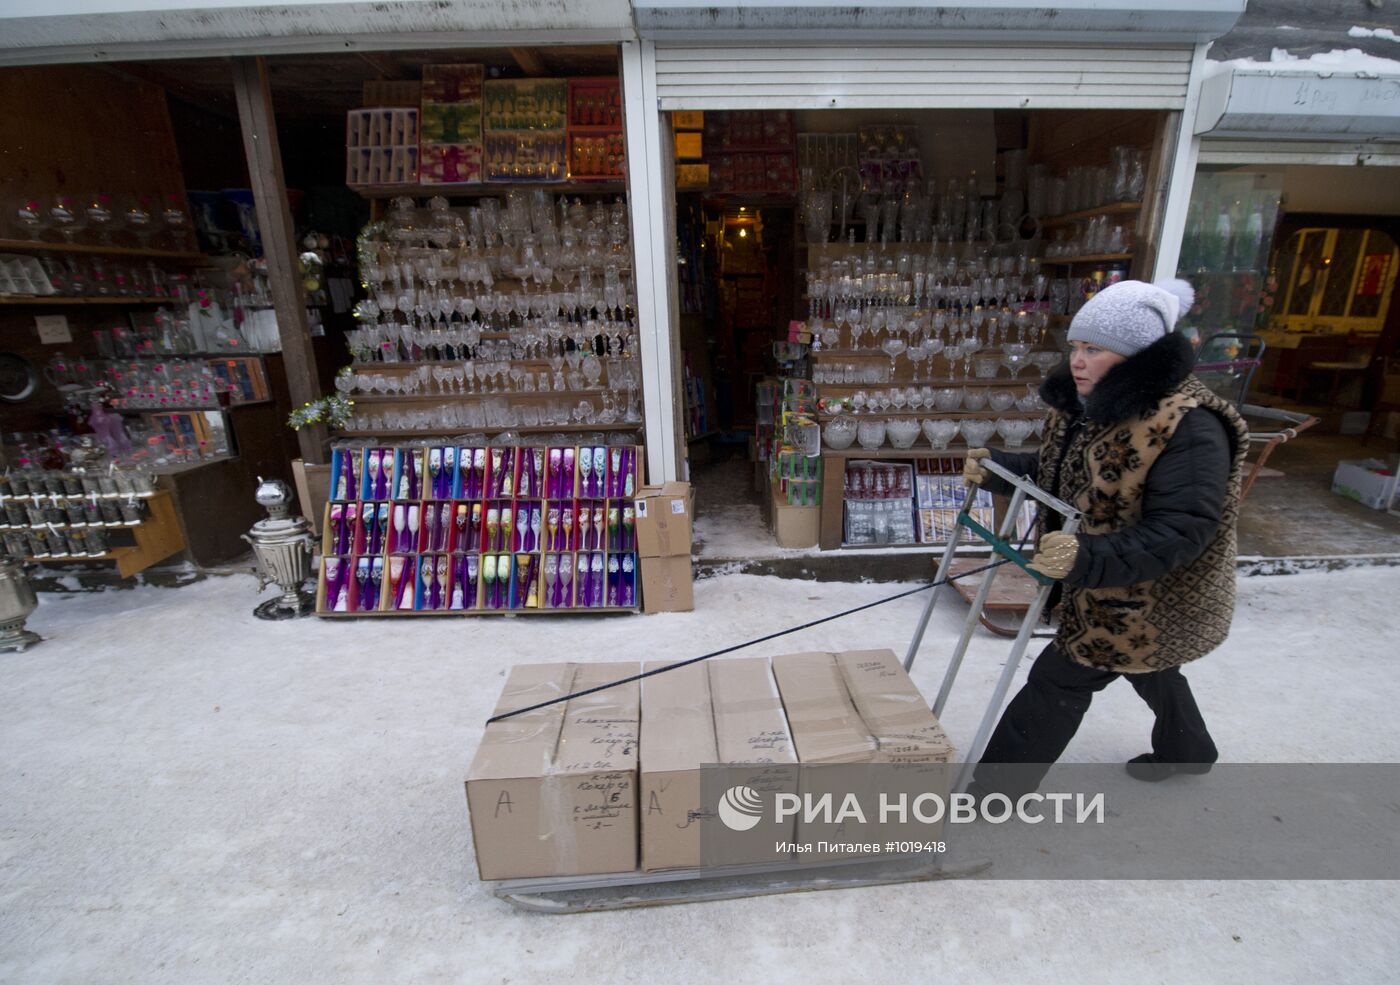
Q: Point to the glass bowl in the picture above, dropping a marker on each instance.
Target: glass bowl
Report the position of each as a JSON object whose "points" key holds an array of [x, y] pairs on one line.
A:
{"points": [[977, 431], [1046, 361], [940, 432], [839, 433], [902, 431], [974, 398], [1014, 430], [1001, 400], [871, 434], [948, 398]]}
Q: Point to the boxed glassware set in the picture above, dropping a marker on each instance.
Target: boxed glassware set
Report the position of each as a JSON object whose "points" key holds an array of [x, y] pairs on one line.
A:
{"points": [[446, 528]]}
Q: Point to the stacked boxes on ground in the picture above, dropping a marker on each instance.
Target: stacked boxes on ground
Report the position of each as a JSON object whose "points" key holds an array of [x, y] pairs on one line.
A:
{"points": [[664, 530], [613, 781]]}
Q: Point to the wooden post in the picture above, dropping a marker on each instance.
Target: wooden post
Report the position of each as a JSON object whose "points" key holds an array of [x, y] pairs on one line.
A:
{"points": [[254, 93]]}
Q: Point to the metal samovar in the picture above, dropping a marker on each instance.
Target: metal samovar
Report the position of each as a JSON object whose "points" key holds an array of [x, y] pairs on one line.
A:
{"points": [[17, 602], [283, 546]]}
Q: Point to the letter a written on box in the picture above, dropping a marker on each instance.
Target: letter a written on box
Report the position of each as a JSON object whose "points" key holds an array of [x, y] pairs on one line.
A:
{"points": [[654, 804], [504, 801]]}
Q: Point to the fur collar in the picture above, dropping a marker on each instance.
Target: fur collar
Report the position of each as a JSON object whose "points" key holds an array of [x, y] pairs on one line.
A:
{"points": [[1129, 389]]}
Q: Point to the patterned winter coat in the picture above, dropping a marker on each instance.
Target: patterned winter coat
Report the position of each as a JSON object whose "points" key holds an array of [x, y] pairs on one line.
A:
{"points": [[1153, 460]]}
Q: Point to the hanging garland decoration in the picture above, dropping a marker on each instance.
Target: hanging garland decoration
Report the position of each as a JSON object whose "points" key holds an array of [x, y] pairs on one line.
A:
{"points": [[366, 250], [335, 411]]}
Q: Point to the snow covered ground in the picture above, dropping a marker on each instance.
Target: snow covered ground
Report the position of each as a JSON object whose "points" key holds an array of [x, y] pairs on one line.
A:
{"points": [[190, 795]]}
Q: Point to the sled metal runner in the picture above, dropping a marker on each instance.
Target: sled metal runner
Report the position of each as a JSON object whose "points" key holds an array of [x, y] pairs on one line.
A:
{"points": [[628, 890], [632, 890]]}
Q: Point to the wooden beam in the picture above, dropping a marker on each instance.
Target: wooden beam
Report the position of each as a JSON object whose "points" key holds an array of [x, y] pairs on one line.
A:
{"points": [[205, 100], [530, 63], [383, 64], [250, 84]]}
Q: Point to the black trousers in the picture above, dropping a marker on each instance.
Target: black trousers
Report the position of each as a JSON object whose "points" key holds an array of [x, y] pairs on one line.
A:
{"points": [[1046, 712]]}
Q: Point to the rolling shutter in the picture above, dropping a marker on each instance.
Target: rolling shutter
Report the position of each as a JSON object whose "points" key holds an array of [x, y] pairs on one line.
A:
{"points": [[951, 76]]}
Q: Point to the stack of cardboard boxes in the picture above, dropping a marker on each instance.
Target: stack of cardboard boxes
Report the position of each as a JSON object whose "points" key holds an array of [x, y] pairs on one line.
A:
{"points": [[614, 781], [664, 526]]}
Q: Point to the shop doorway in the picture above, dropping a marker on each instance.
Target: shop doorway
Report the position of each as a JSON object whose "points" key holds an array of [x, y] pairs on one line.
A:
{"points": [[865, 294]]}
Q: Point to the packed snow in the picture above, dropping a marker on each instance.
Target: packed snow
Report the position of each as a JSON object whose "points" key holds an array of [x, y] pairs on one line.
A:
{"points": [[1372, 32], [1325, 63], [190, 795]]}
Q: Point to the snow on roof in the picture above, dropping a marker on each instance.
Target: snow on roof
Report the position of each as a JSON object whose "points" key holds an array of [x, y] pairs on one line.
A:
{"points": [[1324, 63], [1378, 32]]}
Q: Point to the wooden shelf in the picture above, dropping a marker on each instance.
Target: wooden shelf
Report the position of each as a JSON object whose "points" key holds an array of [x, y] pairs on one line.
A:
{"points": [[920, 450], [55, 300], [487, 188], [975, 381], [1118, 208], [409, 435], [413, 366], [871, 353], [961, 412], [30, 246], [538, 611], [157, 536], [1088, 258], [188, 408], [392, 398]]}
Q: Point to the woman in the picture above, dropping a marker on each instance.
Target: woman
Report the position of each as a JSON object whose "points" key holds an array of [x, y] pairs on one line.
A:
{"points": [[1152, 458]]}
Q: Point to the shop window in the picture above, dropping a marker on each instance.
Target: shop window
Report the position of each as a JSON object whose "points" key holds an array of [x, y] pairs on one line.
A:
{"points": [[1339, 280], [1309, 273]]}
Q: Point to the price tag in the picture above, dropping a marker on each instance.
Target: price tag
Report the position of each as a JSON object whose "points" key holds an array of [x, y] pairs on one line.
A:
{"points": [[53, 329]]}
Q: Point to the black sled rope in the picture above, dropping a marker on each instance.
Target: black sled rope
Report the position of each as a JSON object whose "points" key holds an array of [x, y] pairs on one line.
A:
{"points": [[739, 646]]}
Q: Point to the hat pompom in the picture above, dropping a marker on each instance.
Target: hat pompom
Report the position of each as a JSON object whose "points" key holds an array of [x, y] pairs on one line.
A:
{"points": [[1184, 293]]}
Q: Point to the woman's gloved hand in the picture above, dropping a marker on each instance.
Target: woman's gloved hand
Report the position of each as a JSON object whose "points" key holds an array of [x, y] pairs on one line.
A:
{"points": [[1054, 558], [973, 471]]}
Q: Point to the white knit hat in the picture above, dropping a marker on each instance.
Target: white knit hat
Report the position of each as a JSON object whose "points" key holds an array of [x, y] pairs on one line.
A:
{"points": [[1129, 316]]}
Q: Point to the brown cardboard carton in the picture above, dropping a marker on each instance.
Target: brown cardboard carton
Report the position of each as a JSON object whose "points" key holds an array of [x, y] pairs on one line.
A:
{"points": [[689, 146], [826, 728], [692, 176], [678, 736], [664, 519], [893, 710], [860, 707], [794, 526], [666, 584], [552, 792], [751, 729], [721, 711]]}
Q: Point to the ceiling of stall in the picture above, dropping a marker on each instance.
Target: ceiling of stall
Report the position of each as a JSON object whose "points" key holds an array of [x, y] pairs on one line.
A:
{"points": [[320, 86]]}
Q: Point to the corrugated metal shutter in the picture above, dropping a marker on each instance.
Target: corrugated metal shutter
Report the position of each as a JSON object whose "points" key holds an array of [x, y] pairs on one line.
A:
{"points": [[953, 76]]}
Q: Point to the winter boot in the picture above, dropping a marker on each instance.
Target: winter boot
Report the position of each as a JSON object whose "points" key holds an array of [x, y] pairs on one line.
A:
{"points": [[1150, 769]]}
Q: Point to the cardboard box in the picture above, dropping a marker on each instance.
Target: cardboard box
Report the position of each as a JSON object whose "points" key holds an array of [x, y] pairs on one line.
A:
{"points": [[692, 176], [1364, 482], [722, 711], [689, 146], [688, 120], [313, 484], [667, 585], [794, 526], [663, 516], [857, 706], [860, 707], [552, 792]]}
